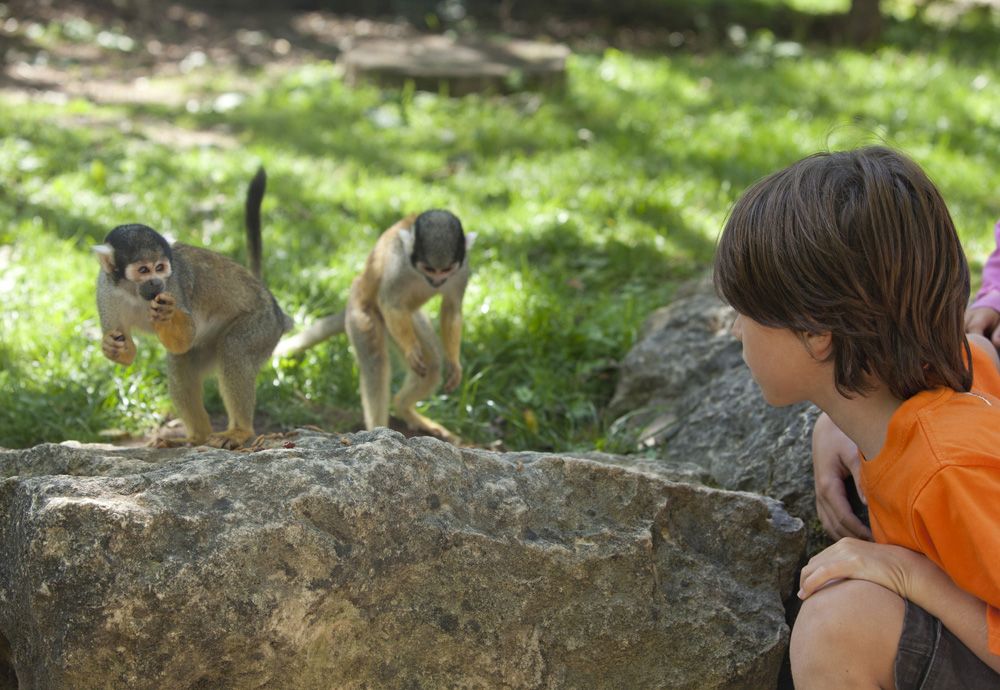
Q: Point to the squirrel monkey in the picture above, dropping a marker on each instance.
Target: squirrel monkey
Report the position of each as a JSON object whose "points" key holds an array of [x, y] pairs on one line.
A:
{"points": [[207, 310], [414, 260]]}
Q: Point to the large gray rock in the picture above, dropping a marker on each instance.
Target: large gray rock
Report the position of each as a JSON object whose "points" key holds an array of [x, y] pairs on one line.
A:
{"points": [[371, 560], [686, 396]]}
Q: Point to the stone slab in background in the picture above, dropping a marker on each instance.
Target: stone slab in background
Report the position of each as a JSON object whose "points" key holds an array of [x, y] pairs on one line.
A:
{"points": [[459, 66], [371, 560]]}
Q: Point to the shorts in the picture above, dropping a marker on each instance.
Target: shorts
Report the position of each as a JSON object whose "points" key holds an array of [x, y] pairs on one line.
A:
{"points": [[931, 658]]}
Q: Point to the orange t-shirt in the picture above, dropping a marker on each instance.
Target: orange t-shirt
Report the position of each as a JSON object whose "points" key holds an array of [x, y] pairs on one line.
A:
{"points": [[935, 485]]}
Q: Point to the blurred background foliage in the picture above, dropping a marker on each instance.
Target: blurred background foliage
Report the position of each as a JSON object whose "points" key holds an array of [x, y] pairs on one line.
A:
{"points": [[592, 204]]}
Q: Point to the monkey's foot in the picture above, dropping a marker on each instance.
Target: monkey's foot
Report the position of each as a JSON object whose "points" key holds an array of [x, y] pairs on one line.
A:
{"points": [[230, 439], [418, 422]]}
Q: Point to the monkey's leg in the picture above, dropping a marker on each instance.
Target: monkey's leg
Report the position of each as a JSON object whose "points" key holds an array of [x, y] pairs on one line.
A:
{"points": [[185, 380], [451, 339], [238, 387], [240, 354], [371, 349], [416, 387]]}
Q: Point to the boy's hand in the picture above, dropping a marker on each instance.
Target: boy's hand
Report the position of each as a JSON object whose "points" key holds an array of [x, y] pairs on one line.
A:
{"points": [[892, 567], [984, 321], [835, 459]]}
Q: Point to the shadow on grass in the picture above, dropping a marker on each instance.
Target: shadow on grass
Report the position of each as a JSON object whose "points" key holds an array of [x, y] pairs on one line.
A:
{"points": [[58, 221]]}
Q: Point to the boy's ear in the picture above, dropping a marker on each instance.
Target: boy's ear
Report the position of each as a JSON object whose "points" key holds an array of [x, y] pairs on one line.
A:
{"points": [[819, 344]]}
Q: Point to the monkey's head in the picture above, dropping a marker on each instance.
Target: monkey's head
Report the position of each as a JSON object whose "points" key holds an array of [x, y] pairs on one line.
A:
{"points": [[437, 245], [137, 254]]}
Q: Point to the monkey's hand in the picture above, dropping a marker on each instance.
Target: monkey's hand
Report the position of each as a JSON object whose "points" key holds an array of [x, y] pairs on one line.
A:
{"points": [[415, 358], [161, 307], [172, 324], [454, 376], [118, 347]]}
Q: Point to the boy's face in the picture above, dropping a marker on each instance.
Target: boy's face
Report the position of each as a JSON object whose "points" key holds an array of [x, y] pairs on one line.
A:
{"points": [[780, 362]]}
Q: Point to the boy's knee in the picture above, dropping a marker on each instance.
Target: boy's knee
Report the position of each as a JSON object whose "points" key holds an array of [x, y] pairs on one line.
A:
{"points": [[853, 622]]}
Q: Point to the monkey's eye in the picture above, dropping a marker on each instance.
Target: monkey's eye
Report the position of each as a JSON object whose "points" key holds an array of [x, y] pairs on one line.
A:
{"points": [[160, 268], [144, 269]]}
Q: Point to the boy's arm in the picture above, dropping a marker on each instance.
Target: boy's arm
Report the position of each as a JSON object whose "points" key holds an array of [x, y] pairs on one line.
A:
{"points": [[835, 460], [983, 314], [912, 576], [957, 526], [989, 292]]}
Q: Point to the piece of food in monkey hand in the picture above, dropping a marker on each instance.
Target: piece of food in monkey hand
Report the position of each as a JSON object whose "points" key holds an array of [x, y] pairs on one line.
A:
{"points": [[150, 289]]}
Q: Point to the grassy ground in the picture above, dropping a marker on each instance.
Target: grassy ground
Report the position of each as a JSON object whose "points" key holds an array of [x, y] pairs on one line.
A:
{"points": [[591, 205]]}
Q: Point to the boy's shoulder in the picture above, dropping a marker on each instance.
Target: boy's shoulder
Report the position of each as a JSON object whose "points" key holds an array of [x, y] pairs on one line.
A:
{"points": [[965, 427], [961, 429], [943, 427]]}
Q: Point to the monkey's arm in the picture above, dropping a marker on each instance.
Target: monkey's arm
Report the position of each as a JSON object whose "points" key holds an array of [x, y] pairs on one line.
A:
{"points": [[172, 323], [117, 344], [451, 338], [399, 323]]}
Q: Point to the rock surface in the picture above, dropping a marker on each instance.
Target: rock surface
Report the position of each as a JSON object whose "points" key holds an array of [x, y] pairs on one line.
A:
{"points": [[371, 560], [686, 396]]}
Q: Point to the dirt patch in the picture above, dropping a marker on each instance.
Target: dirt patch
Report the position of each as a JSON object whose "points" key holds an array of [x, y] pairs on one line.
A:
{"points": [[55, 52]]}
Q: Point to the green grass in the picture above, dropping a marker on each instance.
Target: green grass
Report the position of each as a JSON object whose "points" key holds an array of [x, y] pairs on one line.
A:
{"points": [[591, 207]]}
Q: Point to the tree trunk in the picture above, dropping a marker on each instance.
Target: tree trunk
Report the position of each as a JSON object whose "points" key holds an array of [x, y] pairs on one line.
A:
{"points": [[864, 22]]}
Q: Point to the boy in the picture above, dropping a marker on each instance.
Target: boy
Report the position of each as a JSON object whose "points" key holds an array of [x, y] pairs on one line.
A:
{"points": [[850, 285]]}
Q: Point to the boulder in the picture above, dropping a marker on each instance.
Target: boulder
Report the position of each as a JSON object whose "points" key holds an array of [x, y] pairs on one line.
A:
{"points": [[685, 396], [371, 560]]}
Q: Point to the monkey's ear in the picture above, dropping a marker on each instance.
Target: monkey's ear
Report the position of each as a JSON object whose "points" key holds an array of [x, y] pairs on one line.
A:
{"points": [[106, 256], [406, 237], [470, 239]]}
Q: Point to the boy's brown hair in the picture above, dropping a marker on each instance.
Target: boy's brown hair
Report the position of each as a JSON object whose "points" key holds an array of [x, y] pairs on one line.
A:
{"points": [[859, 244]]}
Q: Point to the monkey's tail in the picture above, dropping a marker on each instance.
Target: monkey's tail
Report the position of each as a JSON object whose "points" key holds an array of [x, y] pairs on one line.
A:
{"points": [[322, 329], [255, 195]]}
